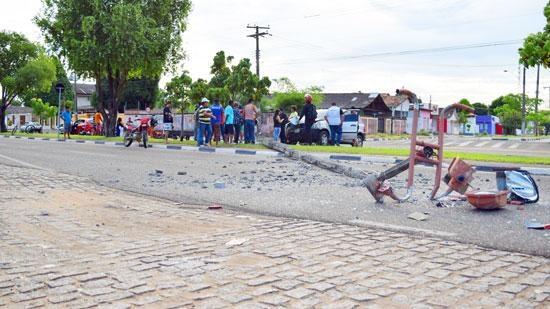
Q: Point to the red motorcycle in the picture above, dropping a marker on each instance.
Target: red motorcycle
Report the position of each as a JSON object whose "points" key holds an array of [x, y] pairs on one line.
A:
{"points": [[137, 133]]}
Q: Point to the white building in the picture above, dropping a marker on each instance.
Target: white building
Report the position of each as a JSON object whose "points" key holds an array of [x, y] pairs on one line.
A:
{"points": [[17, 116], [84, 93], [470, 127]]}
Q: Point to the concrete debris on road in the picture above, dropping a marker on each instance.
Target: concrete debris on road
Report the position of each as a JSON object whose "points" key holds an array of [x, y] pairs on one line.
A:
{"points": [[535, 225], [235, 242], [418, 216]]}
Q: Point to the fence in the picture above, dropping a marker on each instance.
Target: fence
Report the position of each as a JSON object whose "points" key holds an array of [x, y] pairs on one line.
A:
{"points": [[399, 126]]}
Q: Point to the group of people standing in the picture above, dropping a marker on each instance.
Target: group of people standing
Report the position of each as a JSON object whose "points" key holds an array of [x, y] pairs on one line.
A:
{"points": [[334, 116], [231, 123], [280, 120]]}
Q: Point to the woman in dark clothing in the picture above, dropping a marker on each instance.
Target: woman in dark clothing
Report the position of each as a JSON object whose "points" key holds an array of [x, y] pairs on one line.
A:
{"points": [[277, 122], [120, 127], [284, 122]]}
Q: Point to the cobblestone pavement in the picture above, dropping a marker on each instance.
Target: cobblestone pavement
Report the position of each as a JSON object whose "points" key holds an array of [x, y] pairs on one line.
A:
{"points": [[67, 242]]}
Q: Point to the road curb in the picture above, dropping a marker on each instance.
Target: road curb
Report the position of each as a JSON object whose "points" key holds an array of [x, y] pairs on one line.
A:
{"points": [[207, 149], [173, 147], [246, 152], [538, 171], [345, 158]]}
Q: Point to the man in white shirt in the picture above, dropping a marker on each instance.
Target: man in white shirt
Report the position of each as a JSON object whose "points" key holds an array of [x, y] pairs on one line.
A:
{"points": [[335, 118]]}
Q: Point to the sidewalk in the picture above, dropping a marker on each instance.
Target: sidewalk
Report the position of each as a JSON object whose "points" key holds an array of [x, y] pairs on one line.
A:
{"points": [[66, 241]]}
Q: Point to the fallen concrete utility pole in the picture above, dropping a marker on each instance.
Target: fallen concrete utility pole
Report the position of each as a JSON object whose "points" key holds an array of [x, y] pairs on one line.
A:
{"points": [[313, 160]]}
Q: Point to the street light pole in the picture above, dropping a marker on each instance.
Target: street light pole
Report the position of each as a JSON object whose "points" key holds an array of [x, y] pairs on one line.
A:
{"points": [[548, 95], [60, 87], [75, 96], [523, 112]]}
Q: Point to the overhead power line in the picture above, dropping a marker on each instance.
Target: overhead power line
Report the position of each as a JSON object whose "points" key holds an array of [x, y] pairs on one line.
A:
{"points": [[409, 52]]}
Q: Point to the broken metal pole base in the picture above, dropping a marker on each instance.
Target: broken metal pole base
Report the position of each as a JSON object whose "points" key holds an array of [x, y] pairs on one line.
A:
{"points": [[379, 186], [378, 189]]}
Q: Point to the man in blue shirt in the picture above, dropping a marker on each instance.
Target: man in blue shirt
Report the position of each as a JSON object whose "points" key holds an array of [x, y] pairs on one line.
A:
{"points": [[229, 123], [67, 117], [217, 111]]}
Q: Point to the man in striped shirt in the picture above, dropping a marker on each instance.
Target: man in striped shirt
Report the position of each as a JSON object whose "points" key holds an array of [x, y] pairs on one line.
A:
{"points": [[205, 127]]}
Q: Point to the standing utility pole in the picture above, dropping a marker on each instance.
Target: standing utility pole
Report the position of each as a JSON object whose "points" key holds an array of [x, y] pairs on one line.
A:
{"points": [[537, 100], [257, 36], [548, 95], [523, 106]]}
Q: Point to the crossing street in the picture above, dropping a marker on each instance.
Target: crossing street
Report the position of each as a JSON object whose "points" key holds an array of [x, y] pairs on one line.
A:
{"points": [[472, 144]]}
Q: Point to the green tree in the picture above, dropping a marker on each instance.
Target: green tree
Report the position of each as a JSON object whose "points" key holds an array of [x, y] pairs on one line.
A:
{"points": [[142, 90], [24, 70], [243, 84], [284, 84], [498, 102], [536, 52], [235, 82], [139, 93], [220, 70], [116, 40], [50, 112], [481, 109], [542, 118], [292, 96], [199, 90], [38, 108], [462, 115], [178, 91], [50, 97], [508, 109]]}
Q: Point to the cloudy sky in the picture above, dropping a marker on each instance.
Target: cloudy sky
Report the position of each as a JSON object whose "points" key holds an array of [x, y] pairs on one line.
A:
{"points": [[361, 45]]}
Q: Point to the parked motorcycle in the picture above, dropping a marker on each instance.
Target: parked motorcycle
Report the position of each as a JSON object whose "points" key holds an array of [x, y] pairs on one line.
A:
{"points": [[138, 133]]}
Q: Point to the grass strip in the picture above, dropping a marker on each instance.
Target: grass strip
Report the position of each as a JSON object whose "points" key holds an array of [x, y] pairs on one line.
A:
{"points": [[404, 152]]}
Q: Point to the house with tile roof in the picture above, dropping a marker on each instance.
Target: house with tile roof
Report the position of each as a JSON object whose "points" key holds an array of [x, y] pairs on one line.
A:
{"points": [[18, 115], [371, 104], [84, 94], [398, 104]]}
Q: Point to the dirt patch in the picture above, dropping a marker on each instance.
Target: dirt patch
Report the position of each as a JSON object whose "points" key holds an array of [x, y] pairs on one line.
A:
{"points": [[249, 259], [52, 216]]}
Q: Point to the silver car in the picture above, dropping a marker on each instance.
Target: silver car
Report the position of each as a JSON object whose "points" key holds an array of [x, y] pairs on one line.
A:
{"points": [[353, 129], [31, 127]]}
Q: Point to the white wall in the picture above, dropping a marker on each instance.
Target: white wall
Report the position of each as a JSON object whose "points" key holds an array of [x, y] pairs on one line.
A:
{"points": [[16, 118], [84, 102]]}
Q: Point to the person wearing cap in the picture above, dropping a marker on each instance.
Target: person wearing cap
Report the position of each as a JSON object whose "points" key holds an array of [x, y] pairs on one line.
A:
{"points": [[205, 119], [309, 112]]}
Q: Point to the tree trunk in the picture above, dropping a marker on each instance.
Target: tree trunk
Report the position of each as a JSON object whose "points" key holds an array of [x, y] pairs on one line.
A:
{"points": [[3, 127], [110, 113], [182, 113]]}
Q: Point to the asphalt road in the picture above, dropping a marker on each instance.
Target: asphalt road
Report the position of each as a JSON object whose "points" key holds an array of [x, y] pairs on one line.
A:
{"points": [[282, 187]]}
